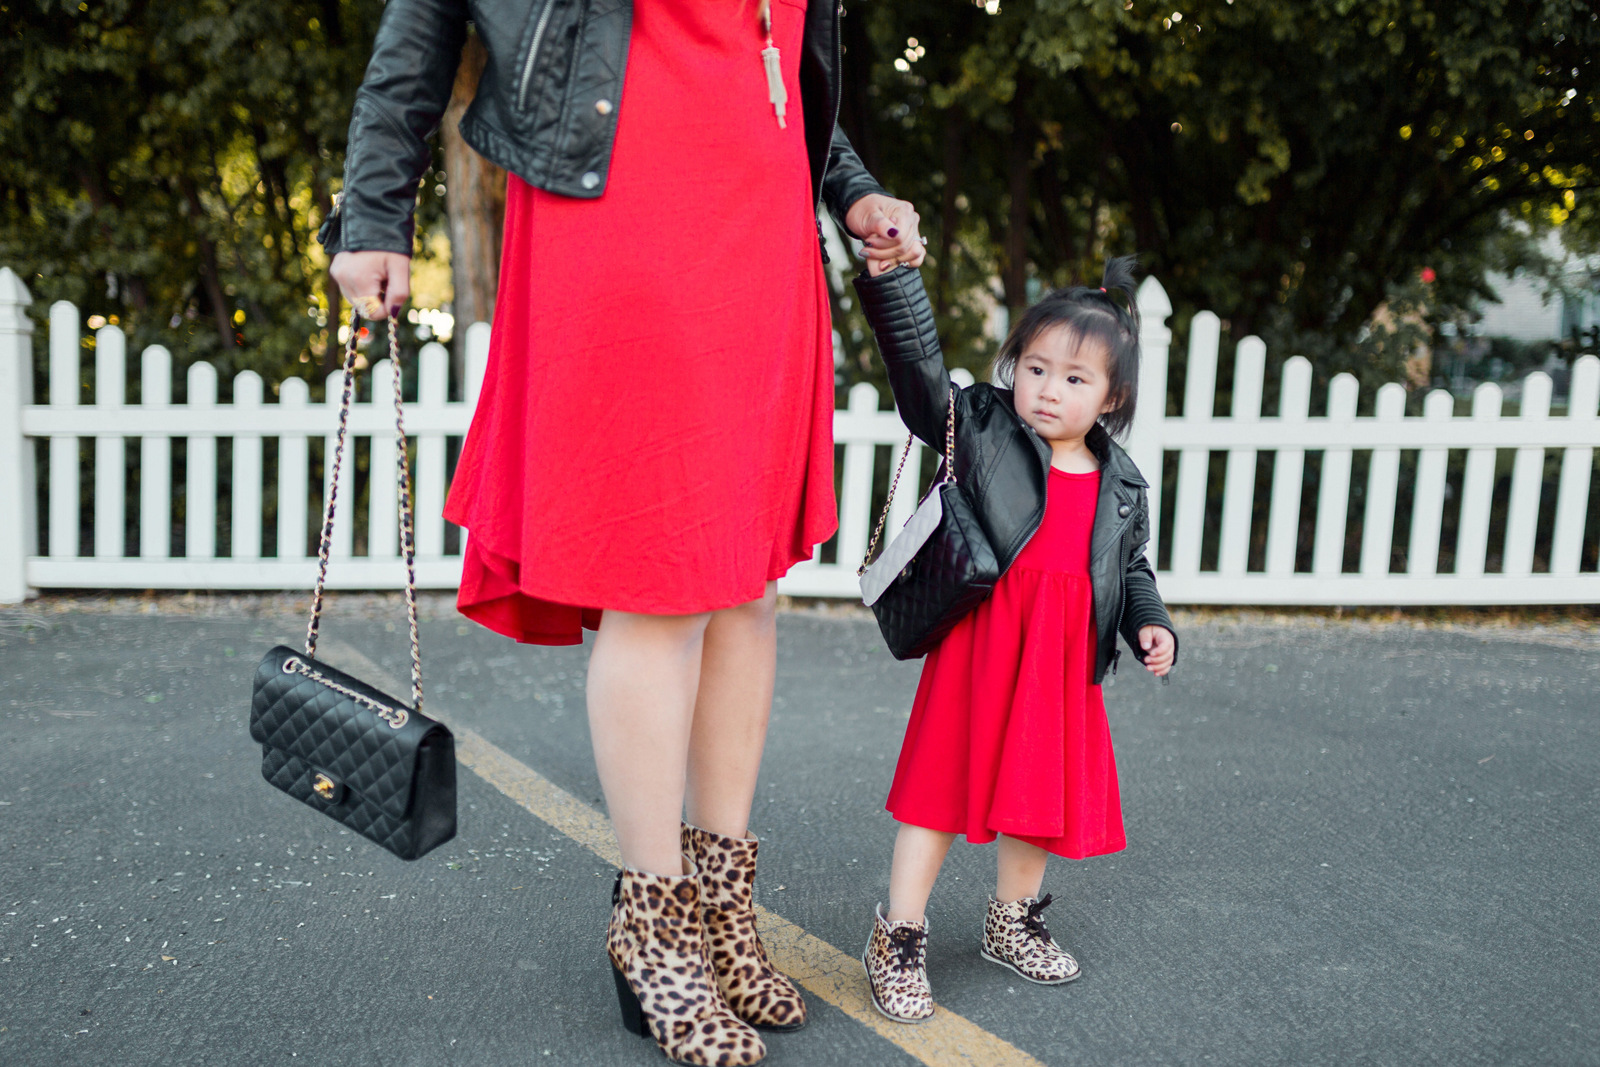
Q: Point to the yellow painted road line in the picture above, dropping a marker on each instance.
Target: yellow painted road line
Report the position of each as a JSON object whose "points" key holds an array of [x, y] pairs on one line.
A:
{"points": [[946, 1040], [537, 794], [835, 976]]}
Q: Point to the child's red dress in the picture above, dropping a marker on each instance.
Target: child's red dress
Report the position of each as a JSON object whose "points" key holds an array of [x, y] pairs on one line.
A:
{"points": [[1008, 734]]}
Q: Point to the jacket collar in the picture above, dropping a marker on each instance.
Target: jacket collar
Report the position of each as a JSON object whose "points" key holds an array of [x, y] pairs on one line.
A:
{"points": [[1113, 460]]}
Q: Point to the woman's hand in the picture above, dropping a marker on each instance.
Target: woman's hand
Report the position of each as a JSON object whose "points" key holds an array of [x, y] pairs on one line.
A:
{"points": [[888, 230], [377, 284], [1159, 647]]}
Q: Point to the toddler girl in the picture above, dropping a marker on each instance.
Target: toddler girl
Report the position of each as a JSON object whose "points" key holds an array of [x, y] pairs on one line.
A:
{"points": [[1008, 735]]}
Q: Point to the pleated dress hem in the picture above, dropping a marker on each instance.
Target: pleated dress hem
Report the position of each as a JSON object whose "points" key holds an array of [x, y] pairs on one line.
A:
{"points": [[1048, 842]]}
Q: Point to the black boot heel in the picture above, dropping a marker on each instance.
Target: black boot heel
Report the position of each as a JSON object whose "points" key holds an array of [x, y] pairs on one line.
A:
{"points": [[628, 1000]]}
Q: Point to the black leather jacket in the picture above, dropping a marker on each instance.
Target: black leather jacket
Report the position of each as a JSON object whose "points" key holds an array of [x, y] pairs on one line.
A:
{"points": [[546, 107], [1004, 466]]}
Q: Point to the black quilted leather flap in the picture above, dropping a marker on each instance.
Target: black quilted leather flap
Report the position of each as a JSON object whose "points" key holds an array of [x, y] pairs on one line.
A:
{"points": [[337, 734]]}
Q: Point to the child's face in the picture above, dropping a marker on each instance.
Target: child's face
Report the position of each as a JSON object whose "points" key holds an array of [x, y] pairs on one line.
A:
{"points": [[1062, 386]]}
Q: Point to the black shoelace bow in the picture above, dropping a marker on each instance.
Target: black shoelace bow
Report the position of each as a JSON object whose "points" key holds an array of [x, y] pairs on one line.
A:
{"points": [[907, 943], [1033, 923]]}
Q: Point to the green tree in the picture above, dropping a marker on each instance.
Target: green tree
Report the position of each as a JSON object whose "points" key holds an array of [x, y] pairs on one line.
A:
{"points": [[166, 165], [1288, 165]]}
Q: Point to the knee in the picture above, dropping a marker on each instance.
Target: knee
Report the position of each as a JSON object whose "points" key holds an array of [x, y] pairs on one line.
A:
{"points": [[664, 632], [761, 612]]}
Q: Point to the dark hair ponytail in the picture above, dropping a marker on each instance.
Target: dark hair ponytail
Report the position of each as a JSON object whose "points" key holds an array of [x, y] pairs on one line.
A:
{"points": [[1089, 314]]}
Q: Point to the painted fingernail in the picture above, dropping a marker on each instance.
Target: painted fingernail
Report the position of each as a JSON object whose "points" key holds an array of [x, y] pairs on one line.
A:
{"points": [[893, 232]]}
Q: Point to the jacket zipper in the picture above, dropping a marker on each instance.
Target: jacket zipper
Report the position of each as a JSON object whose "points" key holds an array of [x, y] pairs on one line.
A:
{"points": [[1122, 600], [533, 54], [1122, 581], [838, 101]]}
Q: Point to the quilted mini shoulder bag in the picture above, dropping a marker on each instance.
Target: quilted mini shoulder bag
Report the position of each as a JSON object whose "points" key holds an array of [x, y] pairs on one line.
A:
{"points": [[939, 567], [337, 744]]}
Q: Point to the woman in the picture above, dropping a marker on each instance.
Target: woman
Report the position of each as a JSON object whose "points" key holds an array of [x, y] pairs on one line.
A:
{"points": [[652, 448]]}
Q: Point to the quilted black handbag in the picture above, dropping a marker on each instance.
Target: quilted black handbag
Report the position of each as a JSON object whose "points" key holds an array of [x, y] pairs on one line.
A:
{"points": [[335, 743], [951, 569]]}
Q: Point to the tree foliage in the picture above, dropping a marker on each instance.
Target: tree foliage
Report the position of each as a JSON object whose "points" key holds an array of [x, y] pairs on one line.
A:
{"points": [[1289, 165], [166, 165]]}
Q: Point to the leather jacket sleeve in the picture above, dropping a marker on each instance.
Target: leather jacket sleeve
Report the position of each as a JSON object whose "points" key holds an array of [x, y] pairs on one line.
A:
{"points": [[897, 308], [402, 96], [846, 180], [1142, 603]]}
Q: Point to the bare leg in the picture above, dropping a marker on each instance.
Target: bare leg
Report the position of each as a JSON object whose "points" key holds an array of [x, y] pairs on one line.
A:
{"points": [[1021, 870], [918, 855], [737, 669], [643, 674]]}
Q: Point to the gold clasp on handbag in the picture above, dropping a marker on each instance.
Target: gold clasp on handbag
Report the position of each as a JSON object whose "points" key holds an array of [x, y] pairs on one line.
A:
{"points": [[323, 786]]}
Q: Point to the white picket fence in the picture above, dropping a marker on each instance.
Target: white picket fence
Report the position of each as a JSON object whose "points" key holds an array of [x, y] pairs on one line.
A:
{"points": [[249, 420]]}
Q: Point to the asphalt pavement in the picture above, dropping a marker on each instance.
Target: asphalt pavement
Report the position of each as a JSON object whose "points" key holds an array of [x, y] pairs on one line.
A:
{"points": [[1348, 843]]}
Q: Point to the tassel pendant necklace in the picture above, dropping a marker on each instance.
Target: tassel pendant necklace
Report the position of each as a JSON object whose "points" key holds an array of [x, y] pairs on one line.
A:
{"points": [[776, 93]]}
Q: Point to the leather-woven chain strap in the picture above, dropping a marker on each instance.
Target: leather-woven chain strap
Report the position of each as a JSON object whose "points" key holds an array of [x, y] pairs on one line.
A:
{"points": [[949, 476], [407, 528]]}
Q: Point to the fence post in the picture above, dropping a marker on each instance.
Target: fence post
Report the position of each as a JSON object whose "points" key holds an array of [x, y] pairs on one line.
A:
{"points": [[1238, 493], [1144, 442], [1288, 471], [1527, 474], [18, 534], [1577, 465], [1383, 481], [433, 388], [1333, 495], [110, 450], [66, 369], [1477, 488], [1199, 397], [1427, 508], [155, 457]]}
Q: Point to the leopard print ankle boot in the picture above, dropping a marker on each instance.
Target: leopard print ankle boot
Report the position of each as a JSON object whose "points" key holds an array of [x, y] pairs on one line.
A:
{"points": [[896, 959], [756, 991], [1014, 936], [664, 981]]}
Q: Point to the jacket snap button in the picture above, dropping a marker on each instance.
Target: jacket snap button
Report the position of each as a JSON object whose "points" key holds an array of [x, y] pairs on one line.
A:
{"points": [[1124, 511], [589, 180], [603, 106]]}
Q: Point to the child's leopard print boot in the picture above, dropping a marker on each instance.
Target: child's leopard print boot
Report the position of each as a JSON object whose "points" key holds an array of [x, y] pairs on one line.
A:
{"points": [[1014, 936], [756, 991], [896, 959], [664, 981]]}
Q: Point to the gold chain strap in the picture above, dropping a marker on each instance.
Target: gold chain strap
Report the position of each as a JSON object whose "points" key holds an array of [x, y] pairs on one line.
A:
{"points": [[407, 526], [395, 717], [949, 476]]}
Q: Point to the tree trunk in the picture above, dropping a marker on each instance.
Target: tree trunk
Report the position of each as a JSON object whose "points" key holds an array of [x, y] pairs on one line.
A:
{"points": [[955, 129], [1019, 162], [210, 268], [1052, 194], [475, 201], [330, 288]]}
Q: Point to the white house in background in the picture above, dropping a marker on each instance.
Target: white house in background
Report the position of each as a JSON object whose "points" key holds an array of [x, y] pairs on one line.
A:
{"points": [[1532, 309]]}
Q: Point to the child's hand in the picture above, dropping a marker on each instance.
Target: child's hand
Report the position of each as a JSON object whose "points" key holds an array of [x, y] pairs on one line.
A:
{"points": [[1159, 647], [888, 228]]}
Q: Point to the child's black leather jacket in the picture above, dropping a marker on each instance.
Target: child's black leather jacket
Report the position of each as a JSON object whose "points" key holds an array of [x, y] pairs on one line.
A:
{"points": [[1003, 465]]}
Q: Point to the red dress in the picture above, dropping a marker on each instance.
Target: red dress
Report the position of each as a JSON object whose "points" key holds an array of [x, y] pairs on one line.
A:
{"points": [[1008, 734], [655, 429]]}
